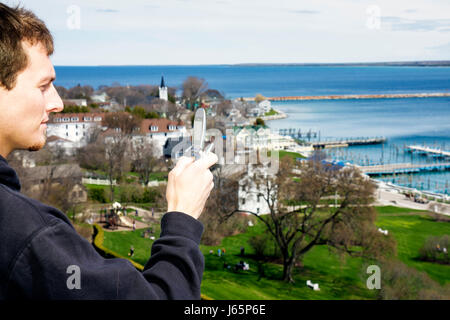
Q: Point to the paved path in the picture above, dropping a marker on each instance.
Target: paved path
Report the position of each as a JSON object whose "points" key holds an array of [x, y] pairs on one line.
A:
{"points": [[146, 216], [391, 197]]}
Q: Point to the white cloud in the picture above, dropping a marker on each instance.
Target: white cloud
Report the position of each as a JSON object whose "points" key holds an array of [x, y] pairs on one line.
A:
{"points": [[235, 31]]}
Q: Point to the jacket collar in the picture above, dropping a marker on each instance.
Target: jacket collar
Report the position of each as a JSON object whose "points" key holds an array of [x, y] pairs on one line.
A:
{"points": [[8, 176]]}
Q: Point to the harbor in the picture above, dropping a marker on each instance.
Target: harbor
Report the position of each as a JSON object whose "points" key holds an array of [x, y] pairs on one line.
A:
{"points": [[423, 166]]}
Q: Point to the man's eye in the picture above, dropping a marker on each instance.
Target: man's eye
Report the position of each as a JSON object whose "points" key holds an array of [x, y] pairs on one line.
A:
{"points": [[45, 87]]}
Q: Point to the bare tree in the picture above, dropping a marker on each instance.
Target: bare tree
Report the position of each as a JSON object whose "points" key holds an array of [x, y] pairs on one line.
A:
{"points": [[193, 89], [92, 156], [123, 122], [116, 144], [174, 112], [223, 107], [222, 200], [301, 218], [144, 159]]}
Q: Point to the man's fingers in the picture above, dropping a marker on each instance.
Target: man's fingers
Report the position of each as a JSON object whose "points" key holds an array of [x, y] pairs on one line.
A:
{"points": [[182, 163], [207, 160]]}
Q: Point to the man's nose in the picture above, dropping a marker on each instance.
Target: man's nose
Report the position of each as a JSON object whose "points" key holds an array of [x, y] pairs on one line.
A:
{"points": [[54, 102]]}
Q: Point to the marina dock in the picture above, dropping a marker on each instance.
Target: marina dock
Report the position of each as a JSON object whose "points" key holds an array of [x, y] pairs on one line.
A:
{"points": [[399, 168], [428, 151], [347, 142]]}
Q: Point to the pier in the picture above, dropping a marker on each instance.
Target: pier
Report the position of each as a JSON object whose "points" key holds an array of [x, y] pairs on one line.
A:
{"points": [[399, 168], [347, 142], [358, 96], [329, 142], [298, 134], [428, 151]]}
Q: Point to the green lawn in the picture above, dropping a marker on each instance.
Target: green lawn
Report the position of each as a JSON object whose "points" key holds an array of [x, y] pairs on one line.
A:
{"points": [[283, 153], [339, 278], [272, 112], [410, 229], [120, 242]]}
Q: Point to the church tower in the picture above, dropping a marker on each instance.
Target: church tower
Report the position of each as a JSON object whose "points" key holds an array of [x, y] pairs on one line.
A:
{"points": [[163, 93]]}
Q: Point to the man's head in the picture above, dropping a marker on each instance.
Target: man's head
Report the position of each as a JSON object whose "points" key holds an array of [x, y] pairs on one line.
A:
{"points": [[27, 94]]}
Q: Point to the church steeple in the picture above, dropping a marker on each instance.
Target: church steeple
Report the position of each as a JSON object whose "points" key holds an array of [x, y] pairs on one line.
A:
{"points": [[163, 93]]}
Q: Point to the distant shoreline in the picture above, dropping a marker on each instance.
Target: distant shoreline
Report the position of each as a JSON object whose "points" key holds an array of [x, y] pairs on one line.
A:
{"points": [[359, 96], [440, 63], [436, 63]]}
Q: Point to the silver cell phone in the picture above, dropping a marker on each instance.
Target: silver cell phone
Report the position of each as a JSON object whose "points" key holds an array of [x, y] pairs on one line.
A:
{"points": [[199, 133]]}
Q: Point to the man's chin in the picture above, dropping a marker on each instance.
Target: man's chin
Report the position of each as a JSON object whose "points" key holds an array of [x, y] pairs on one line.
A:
{"points": [[37, 146]]}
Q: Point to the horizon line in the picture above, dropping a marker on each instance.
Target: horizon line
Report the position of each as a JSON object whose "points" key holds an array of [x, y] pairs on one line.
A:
{"points": [[411, 62]]}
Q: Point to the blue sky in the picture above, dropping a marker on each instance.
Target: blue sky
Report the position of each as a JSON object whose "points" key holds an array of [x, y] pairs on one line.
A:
{"points": [[180, 32]]}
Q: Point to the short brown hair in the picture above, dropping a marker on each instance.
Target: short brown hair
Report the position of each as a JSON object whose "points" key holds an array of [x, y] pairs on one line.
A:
{"points": [[18, 25]]}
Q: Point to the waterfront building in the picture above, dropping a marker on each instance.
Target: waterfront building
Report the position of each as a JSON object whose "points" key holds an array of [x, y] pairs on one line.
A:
{"points": [[265, 106]]}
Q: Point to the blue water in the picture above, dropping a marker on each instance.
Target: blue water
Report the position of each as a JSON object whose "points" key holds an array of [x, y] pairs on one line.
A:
{"points": [[403, 122], [247, 81]]}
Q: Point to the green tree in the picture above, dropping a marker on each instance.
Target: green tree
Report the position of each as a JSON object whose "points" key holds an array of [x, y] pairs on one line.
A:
{"points": [[259, 122]]}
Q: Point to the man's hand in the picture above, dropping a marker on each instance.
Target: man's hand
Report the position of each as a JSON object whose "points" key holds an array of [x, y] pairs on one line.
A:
{"points": [[190, 184]]}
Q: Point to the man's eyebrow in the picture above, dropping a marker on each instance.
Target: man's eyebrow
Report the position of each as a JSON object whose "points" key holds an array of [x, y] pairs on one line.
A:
{"points": [[47, 79]]}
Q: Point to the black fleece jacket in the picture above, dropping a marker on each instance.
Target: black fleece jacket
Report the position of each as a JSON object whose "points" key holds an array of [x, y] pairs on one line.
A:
{"points": [[41, 255]]}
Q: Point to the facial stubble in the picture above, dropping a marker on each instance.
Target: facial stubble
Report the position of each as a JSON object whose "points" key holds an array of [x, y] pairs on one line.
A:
{"points": [[38, 146]]}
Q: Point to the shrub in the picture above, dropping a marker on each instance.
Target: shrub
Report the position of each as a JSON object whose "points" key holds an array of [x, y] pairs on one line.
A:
{"points": [[97, 194], [435, 249], [259, 122], [259, 243], [150, 195], [400, 282], [215, 228], [138, 194]]}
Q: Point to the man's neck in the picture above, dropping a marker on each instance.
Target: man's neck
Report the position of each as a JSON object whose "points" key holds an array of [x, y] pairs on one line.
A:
{"points": [[4, 153], [5, 148]]}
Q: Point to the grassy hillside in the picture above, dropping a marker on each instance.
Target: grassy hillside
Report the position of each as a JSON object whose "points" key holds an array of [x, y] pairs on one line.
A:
{"points": [[338, 277], [410, 229]]}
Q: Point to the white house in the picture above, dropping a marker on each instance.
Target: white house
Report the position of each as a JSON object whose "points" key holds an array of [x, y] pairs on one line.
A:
{"points": [[76, 102], [261, 137], [252, 137], [265, 106], [73, 130], [254, 111], [251, 194], [68, 146], [157, 131], [100, 98]]}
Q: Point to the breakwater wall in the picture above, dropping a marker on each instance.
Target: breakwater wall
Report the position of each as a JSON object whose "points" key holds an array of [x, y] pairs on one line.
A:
{"points": [[359, 96]]}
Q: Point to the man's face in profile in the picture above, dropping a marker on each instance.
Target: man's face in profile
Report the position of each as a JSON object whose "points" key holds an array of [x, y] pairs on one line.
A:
{"points": [[25, 109]]}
